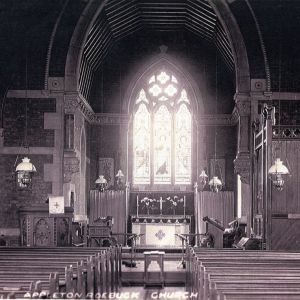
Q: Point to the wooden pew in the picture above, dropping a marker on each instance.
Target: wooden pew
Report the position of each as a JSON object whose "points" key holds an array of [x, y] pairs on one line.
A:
{"points": [[218, 274], [59, 270]]}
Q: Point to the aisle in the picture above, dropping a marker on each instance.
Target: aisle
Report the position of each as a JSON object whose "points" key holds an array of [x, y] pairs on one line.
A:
{"points": [[173, 274]]}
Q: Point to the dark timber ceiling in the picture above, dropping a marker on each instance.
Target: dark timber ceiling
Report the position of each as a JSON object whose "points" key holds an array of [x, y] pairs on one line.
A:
{"points": [[121, 18], [26, 28]]}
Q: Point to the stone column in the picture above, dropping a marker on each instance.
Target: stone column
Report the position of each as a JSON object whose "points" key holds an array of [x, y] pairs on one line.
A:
{"points": [[242, 163], [71, 163], [69, 131]]}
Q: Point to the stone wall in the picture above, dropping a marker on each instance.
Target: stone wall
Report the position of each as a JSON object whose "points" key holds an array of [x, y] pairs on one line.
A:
{"points": [[12, 197], [41, 112], [15, 118]]}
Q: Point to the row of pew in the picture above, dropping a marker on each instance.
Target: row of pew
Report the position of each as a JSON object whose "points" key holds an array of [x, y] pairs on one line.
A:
{"points": [[65, 272], [228, 274]]}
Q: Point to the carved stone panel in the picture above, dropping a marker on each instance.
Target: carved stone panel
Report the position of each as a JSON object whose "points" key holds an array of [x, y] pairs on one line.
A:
{"points": [[71, 166], [62, 232], [70, 105], [42, 232], [25, 228], [243, 107], [242, 166]]}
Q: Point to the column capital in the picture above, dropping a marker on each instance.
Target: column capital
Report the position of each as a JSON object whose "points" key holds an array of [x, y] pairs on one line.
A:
{"points": [[242, 97], [70, 104], [74, 101], [243, 107]]}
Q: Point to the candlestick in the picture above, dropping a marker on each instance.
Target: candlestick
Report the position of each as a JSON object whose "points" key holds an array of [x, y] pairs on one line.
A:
{"points": [[137, 205], [160, 205], [184, 206]]}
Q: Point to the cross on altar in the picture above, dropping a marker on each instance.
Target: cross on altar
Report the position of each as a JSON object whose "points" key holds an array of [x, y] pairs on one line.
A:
{"points": [[160, 234], [56, 205]]}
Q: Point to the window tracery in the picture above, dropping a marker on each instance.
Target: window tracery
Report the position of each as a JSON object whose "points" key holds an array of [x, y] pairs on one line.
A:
{"points": [[162, 132]]}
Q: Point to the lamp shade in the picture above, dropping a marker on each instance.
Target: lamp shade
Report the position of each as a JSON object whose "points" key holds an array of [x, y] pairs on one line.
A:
{"points": [[101, 183], [24, 171], [203, 176], [276, 173], [101, 180], [25, 166], [278, 168], [203, 179], [215, 184], [120, 174]]}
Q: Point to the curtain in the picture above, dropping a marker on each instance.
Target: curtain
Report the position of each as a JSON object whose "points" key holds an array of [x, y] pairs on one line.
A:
{"points": [[219, 206], [109, 203]]}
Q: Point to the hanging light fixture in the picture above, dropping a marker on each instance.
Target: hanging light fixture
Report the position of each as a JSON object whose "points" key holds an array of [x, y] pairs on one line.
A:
{"points": [[119, 177], [101, 183], [215, 184], [203, 180], [25, 169], [277, 172]]}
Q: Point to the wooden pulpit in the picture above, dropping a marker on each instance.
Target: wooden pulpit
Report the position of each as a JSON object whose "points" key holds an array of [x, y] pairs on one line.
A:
{"points": [[40, 229]]}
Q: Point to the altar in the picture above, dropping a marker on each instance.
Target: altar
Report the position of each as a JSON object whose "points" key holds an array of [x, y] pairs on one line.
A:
{"points": [[160, 231]]}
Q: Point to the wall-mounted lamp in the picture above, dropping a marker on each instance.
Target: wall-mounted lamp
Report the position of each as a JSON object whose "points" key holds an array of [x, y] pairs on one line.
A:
{"points": [[119, 177], [25, 171], [101, 183], [215, 184], [277, 172]]}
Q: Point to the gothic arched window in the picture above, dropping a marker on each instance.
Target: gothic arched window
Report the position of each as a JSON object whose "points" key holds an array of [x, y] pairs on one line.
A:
{"points": [[162, 131]]}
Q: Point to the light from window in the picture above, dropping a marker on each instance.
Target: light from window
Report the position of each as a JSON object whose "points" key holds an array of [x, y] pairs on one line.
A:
{"points": [[183, 97], [163, 77], [141, 145], [155, 90], [162, 146], [183, 133], [162, 132], [170, 90]]}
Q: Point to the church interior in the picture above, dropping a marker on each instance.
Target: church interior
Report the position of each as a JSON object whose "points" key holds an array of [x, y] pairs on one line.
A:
{"points": [[150, 149]]}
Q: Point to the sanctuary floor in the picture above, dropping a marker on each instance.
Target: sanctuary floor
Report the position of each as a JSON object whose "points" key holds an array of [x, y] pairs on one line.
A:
{"points": [[174, 274]]}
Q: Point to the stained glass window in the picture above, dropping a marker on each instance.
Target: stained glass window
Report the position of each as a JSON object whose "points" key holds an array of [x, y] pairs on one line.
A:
{"points": [[162, 145], [183, 134], [141, 145], [162, 132]]}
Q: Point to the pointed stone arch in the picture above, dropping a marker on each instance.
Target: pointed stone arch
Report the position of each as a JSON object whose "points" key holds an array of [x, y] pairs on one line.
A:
{"points": [[139, 89], [170, 64]]}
